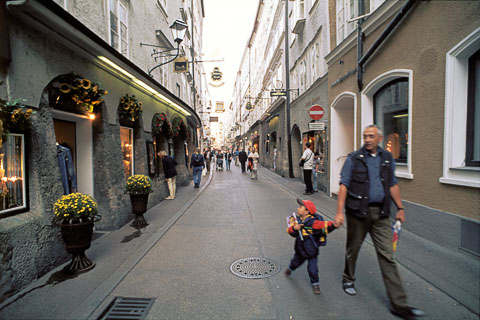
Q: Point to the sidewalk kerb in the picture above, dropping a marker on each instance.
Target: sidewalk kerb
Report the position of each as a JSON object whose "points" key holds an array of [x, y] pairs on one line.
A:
{"points": [[88, 308]]}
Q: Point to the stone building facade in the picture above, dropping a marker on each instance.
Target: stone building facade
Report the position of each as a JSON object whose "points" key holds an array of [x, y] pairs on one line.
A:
{"points": [[99, 42], [260, 119], [414, 85]]}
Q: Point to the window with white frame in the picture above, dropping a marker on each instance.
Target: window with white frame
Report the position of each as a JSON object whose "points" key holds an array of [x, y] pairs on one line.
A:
{"points": [[13, 197], [118, 23], [461, 132], [387, 102], [345, 10]]}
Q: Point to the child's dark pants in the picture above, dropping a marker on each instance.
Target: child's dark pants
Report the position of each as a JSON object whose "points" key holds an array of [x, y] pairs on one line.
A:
{"points": [[312, 266]]}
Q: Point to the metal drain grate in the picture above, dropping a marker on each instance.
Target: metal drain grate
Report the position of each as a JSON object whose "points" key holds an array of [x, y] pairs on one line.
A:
{"points": [[255, 268], [127, 309]]}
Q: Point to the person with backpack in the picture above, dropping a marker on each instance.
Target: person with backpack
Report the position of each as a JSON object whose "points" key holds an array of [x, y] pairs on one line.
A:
{"points": [[197, 164], [310, 231]]}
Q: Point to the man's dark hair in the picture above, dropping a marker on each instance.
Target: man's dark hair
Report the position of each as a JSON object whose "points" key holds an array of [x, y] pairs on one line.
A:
{"points": [[308, 144]]}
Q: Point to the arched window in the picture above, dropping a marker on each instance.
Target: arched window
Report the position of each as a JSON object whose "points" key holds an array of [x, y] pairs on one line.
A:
{"points": [[391, 115]]}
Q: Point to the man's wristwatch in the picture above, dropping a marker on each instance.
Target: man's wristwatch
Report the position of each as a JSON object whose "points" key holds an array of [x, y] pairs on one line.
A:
{"points": [[398, 209]]}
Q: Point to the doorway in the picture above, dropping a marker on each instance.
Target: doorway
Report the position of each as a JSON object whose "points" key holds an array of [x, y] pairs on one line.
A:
{"points": [[342, 136], [75, 131]]}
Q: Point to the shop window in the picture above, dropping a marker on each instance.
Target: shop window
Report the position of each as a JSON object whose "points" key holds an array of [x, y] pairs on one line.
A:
{"points": [[391, 115], [473, 112], [126, 140], [13, 197]]}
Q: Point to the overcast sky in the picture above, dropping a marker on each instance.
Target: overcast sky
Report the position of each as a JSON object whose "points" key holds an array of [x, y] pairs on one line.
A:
{"points": [[227, 28]]}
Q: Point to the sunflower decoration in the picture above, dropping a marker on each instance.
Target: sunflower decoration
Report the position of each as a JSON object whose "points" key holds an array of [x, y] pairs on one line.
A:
{"points": [[130, 108], [179, 129], [161, 125], [82, 92], [15, 116]]}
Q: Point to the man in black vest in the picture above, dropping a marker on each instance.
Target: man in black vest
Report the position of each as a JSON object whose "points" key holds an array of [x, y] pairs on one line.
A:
{"points": [[367, 183], [242, 157]]}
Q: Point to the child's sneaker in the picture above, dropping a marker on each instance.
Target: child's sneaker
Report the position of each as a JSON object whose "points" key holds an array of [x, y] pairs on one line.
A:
{"points": [[288, 272], [316, 289]]}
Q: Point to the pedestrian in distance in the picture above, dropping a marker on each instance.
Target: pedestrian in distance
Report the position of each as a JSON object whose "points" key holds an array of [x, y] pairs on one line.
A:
{"points": [[206, 156], [170, 173], [274, 158], [367, 185], [242, 157], [310, 231], [228, 159], [307, 159], [197, 164], [315, 170], [236, 157], [254, 156]]}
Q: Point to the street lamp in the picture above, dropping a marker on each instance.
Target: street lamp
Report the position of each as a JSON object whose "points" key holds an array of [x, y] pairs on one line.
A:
{"points": [[178, 29]]}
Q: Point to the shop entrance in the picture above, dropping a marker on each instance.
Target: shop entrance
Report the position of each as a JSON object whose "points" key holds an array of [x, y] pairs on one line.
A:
{"points": [[342, 136], [74, 132]]}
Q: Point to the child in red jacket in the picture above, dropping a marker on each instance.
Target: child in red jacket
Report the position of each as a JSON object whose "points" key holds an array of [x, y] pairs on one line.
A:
{"points": [[310, 232]]}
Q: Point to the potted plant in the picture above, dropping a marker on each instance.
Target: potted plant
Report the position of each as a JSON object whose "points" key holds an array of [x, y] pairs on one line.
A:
{"points": [[14, 116], [139, 186], [81, 92], [161, 125], [129, 108], [179, 129], [76, 213]]}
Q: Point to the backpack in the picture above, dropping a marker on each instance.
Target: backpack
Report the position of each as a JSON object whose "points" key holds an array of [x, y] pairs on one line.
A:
{"points": [[197, 160], [319, 237]]}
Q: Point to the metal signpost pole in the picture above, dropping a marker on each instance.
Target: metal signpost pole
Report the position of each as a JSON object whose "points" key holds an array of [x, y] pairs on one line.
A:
{"points": [[287, 88]]}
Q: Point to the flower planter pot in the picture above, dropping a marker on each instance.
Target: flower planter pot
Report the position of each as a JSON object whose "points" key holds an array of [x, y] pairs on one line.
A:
{"points": [[77, 237], [139, 207]]}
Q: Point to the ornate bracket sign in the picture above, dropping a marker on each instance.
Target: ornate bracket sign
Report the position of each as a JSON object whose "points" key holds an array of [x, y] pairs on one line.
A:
{"points": [[216, 76]]}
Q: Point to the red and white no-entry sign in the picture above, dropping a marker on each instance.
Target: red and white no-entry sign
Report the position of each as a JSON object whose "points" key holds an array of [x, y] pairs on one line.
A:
{"points": [[316, 112]]}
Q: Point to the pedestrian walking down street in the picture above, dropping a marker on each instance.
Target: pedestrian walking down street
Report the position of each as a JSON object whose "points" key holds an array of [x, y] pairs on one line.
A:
{"points": [[170, 173], [310, 231], [367, 184], [254, 171], [206, 156], [307, 169], [315, 170], [197, 164], [274, 158], [242, 157], [236, 157], [228, 159]]}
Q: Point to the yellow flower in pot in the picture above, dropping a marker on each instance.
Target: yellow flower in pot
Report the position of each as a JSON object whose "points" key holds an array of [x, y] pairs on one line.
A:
{"points": [[76, 213], [139, 186]]}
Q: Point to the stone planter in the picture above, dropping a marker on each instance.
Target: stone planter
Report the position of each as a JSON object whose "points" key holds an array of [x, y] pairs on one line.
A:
{"points": [[139, 207], [77, 236]]}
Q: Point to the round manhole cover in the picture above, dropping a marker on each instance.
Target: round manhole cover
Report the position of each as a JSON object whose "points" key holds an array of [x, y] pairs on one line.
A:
{"points": [[254, 268]]}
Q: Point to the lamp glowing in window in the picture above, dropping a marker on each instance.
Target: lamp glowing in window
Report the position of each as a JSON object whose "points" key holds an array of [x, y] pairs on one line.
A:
{"points": [[91, 116]]}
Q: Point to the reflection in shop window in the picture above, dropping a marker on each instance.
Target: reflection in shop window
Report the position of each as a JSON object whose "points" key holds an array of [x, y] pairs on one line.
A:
{"points": [[391, 115], [12, 174], [126, 138]]}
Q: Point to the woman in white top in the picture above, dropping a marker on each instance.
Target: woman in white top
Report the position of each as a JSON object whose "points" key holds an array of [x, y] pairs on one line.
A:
{"points": [[307, 169], [254, 155]]}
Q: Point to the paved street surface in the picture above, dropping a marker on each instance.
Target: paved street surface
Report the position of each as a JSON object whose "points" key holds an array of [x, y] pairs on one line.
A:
{"points": [[182, 259]]}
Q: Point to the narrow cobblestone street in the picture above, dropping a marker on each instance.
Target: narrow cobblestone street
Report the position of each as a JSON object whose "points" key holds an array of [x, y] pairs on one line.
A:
{"points": [[187, 270]]}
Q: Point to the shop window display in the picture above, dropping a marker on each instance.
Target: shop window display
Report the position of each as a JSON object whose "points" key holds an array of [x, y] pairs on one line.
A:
{"points": [[12, 174], [126, 138], [391, 115]]}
